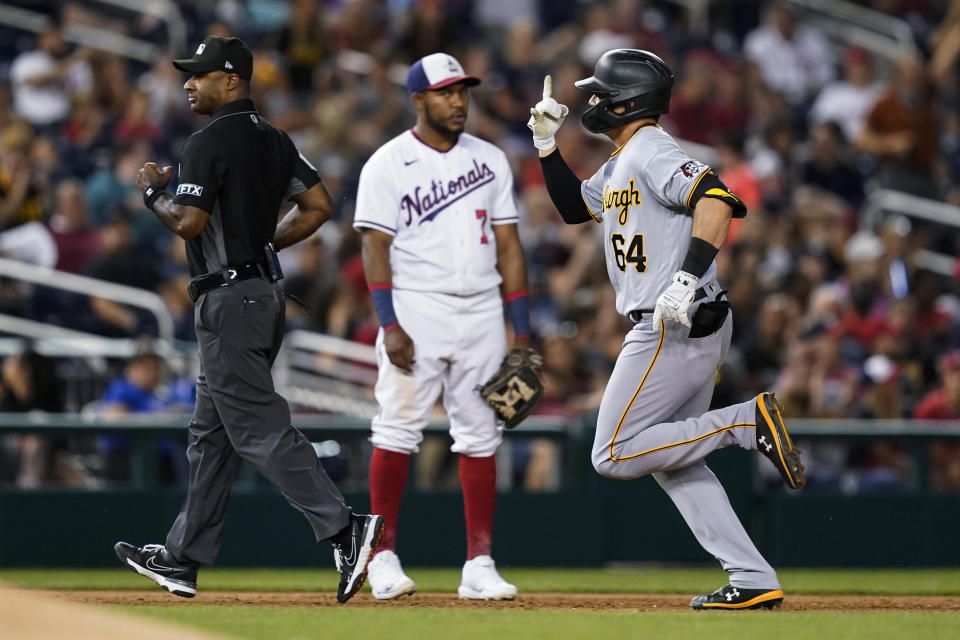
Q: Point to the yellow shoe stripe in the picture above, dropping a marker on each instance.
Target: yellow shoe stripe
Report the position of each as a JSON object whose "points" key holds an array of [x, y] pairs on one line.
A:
{"points": [[763, 597], [776, 438], [785, 434]]}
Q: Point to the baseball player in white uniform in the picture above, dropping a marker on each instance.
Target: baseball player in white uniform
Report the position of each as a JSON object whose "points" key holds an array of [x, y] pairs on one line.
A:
{"points": [[438, 221], [664, 215]]}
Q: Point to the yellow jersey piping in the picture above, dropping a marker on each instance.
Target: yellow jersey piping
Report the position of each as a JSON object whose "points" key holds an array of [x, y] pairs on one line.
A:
{"points": [[617, 151], [623, 416]]}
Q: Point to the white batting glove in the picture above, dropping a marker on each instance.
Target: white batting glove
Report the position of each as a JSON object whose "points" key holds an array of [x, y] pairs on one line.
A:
{"points": [[546, 118], [673, 304]]}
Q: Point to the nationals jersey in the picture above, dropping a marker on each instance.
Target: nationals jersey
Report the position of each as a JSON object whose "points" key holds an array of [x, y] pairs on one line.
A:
{"points": [[642, 196], [439, 207]]}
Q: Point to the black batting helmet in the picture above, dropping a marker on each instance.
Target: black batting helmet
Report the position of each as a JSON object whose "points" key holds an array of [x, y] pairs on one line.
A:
{"points": [[636, 79]]}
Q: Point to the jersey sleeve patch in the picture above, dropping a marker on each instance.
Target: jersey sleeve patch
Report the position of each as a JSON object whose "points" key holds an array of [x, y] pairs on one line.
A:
{"points": [[692, 169]]}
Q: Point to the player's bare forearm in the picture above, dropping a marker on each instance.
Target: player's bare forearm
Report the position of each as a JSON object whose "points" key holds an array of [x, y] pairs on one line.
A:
{"points": [[510, 260], [711, 220], [312, 208], [184, 220], [376, 256]]}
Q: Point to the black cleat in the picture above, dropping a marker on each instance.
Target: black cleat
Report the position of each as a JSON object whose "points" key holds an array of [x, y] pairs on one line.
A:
{"points": [[352, 549], [774, 442], [152, 561], [730, 598]]}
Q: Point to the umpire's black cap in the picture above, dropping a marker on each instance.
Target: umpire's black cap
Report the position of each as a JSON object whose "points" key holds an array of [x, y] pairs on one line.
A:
{"points": [[229, 55]]}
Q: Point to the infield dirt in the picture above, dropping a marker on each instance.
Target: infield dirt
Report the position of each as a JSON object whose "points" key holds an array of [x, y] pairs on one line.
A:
{"points": [[535, 601]]}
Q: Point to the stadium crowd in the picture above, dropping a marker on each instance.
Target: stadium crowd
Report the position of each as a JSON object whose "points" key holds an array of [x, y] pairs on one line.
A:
{"points": [[837, 315]]}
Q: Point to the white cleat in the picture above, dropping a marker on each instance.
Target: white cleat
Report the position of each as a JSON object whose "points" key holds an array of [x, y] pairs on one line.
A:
{"points": [[386, 577], [481, 581]]}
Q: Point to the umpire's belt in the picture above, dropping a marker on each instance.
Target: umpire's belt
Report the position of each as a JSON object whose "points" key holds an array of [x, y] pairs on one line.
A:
{"points": [[711, 289], [201, 284]]}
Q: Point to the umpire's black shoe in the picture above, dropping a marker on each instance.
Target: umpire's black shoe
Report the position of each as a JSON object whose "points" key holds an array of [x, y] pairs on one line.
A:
{"points": [[153, 561], [352, 549], [738, 598], [774, 442]]}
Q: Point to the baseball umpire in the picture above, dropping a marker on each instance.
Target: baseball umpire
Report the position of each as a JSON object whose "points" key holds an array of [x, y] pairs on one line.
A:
{"points": [[234, 175], [664, 216]]}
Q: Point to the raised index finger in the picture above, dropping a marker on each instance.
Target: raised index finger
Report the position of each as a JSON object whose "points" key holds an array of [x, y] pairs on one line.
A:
{"points": [[547, 87]]}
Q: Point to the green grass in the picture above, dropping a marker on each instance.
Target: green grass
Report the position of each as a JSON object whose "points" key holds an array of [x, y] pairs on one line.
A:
{"points": [[304, 623], [632, 580]]}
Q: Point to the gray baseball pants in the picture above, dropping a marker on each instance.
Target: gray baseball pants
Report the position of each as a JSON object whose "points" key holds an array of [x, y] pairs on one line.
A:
{"points": [[240, 417], [654, 420]]}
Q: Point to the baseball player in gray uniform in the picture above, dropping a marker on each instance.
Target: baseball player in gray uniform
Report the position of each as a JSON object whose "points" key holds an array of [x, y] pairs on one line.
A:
{"points": [[664, 215]]}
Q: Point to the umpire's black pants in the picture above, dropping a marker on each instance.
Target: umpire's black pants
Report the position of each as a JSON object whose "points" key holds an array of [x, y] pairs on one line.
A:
{"points": [[238, 417]]}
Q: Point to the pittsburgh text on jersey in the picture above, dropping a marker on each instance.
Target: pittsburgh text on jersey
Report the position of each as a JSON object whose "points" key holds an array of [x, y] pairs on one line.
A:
{"points": [[621, 199]]}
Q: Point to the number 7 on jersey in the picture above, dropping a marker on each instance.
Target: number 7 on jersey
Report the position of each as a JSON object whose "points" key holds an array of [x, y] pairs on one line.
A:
{"points": [[482, 217]]}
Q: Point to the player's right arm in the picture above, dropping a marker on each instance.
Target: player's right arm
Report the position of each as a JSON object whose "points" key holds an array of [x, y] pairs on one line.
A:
{"points": [[563, 185], [376, 267]]}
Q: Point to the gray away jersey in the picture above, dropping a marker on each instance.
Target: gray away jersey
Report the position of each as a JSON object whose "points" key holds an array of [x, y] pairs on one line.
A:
{"points": [[642, 197]]}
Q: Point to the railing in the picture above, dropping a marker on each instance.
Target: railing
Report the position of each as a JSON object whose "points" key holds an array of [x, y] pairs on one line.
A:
{"points": [[886, 36], [888, 201], [79, 284], [573, 436], [144, 429], [326, 373], [104, 39]]}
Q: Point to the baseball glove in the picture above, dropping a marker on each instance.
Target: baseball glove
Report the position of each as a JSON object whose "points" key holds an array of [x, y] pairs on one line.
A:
{"points": [[515, 389]]}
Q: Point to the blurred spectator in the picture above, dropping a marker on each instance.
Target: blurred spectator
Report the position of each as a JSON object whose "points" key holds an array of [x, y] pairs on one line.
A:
{"points": [[85, 136], [41, 80], [943, 403], [138, 392], [828, 166], [22, 193], [175, 276], [29, 383], [77, 241], [901, 130], [793, 58], [735, 172], [849, 101], [119, 262], [304, 43], [135, 125], [110, 87], [112, 189], [690, 103], [428, 26], [309, 289]]}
